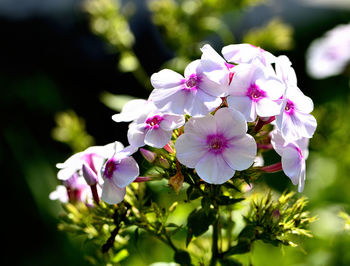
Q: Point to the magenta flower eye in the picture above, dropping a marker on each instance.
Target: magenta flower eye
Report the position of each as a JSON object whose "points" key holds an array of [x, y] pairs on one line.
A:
{"points": [[153, 122], [111, 166], [255, 93], [289, 107], [216, 143], [191, 81]]}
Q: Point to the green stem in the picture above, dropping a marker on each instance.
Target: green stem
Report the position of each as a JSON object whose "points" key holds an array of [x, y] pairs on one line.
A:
{"points": [[214, 248]]}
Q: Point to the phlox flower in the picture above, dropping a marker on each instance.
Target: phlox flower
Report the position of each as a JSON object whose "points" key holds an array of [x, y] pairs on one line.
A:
{"points": [[255, 91], [93, 158], [73, 189], [216, 146], [294, 155], [199, 92], [328, 55], [246, 53], [154, 129], [295, 120], [118, 172]]}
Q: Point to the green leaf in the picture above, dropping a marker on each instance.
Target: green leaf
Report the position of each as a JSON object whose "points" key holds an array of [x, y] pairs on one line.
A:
{"points": [[230, 262], [198, 223], [243, 246], [192, 193], [206, 204], [182, 257], [225, 200], [121, 255]]}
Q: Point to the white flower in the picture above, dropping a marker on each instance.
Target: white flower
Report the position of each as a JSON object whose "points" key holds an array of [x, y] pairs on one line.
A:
{"points": [[295, 120], [329, 55], [216, 146], [294, 155], [199, 92], [154, 129], [255, 90], [118, 172]]}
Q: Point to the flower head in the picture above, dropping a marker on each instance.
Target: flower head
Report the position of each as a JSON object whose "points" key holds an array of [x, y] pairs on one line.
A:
{"points": [[154, 129], [294, 155], [255, 90], [199, 92], [295, 120], [118, 172], [329, 55], [216, 146]]}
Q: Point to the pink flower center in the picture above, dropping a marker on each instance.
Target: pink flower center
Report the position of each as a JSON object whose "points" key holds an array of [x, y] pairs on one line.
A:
{"points": [[289, 109], [111, 166], [192, 82], [255, 93], [216, 143], [153, 122]]}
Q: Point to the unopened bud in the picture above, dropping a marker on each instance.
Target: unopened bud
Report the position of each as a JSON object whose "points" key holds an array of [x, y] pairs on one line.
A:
{"points": [[164, 163], [89, 175], [168, 148], [148, 155]]}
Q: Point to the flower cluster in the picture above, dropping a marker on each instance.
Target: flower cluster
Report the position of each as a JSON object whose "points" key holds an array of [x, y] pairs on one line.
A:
{"points": [[329, 55], [211, 120]]}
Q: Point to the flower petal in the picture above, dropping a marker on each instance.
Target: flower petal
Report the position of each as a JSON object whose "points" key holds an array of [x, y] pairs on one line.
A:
{"points": [[126, 172], [266, 107], [171, 122], [244, 105], [213, 169], [201, 104], [166, 79], [170, 100], [292, 163], [230, 123], [111, 193], [136, 134], [241, 152], [157, 138], [201, 126], [190, 148]]}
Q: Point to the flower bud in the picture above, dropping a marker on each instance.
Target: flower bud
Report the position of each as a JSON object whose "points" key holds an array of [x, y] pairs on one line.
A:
{"points": [[89, 175], [164, 163], [148, 155]]}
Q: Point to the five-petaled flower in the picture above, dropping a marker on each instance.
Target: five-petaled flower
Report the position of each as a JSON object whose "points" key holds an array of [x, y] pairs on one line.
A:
{"points": [[216, 146]]}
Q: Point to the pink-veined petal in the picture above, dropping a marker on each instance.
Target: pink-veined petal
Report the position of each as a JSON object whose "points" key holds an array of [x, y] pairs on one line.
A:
{"points": [[213, 169], [241, 152]]}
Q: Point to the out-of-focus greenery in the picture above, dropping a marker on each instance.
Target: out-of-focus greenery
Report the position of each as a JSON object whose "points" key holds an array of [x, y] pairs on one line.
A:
{"points": [[70, 129], [275, 36]]}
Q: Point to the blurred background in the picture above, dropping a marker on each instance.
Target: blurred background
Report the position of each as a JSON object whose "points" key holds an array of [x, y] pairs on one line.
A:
{"points": [[66, 66]]}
